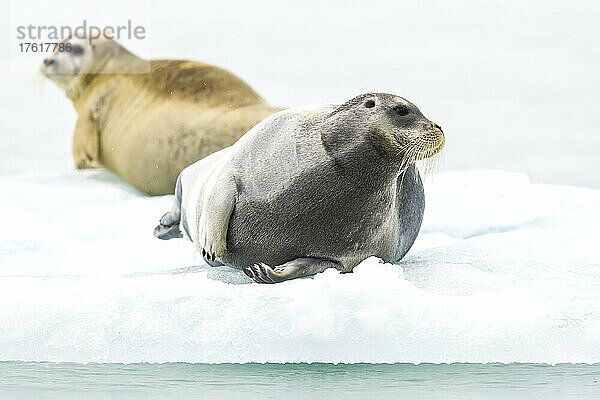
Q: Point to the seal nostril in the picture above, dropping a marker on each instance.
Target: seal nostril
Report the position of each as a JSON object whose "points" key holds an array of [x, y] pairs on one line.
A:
{"points": [[48, 61], [439, 127]]}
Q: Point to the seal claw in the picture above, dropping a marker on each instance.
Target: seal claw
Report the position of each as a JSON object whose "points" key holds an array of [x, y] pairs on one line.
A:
{"points": [[262, 273], [249, 273]]}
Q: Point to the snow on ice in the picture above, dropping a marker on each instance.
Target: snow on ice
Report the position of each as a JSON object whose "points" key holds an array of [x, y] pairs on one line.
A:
{"points": [[503, 270]]}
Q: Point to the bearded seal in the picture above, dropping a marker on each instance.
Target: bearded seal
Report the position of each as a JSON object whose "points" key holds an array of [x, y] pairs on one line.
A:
{"points": [[308, 189], [146, 120]]}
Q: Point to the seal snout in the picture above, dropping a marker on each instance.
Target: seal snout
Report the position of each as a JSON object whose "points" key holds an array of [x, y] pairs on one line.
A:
{"points": [[437, 134], [430, 126], [429, 141], [438, 139], [47, 64]]}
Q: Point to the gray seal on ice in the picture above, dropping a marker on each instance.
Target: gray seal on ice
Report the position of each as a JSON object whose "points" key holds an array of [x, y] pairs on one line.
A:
{"points": [[309, 188]]}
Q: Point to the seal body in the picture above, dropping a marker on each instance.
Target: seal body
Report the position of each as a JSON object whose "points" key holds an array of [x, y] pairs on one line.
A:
{"points": [[310, 188], [146, 120]]}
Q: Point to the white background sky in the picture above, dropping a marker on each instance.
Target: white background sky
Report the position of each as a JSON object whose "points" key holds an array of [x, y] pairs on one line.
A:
{"points": [[514, 84]]}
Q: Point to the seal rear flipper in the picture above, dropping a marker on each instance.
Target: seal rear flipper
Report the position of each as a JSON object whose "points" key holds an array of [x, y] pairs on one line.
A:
{"points": [[168, 226], [166, 232]]}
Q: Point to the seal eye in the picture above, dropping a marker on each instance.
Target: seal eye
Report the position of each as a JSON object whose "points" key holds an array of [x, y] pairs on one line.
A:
{"points": [[401, 110], [370, 103], [76, 50]]}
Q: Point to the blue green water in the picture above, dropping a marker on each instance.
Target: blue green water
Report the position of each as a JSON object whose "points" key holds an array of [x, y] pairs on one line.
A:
{"points": [[33, 380]]}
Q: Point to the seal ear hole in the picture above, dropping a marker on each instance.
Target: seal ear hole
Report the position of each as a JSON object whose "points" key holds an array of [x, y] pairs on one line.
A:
{"points": [[370, 103]]}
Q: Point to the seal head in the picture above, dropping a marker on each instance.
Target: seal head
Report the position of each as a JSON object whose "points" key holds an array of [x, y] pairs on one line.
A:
{"points": [[390, 125]]}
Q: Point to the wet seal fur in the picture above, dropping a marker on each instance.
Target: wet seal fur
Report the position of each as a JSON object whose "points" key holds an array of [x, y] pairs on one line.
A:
{"points": [[146, 120], [308, 189]]}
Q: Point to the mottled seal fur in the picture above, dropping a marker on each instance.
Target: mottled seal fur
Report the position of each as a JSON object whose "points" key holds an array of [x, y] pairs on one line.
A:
{"points": [[308, 189]]}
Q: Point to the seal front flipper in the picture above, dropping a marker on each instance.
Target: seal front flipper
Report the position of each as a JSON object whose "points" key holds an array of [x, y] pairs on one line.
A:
{"points": [[86, 142], [300, 267], [218, 201]]}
